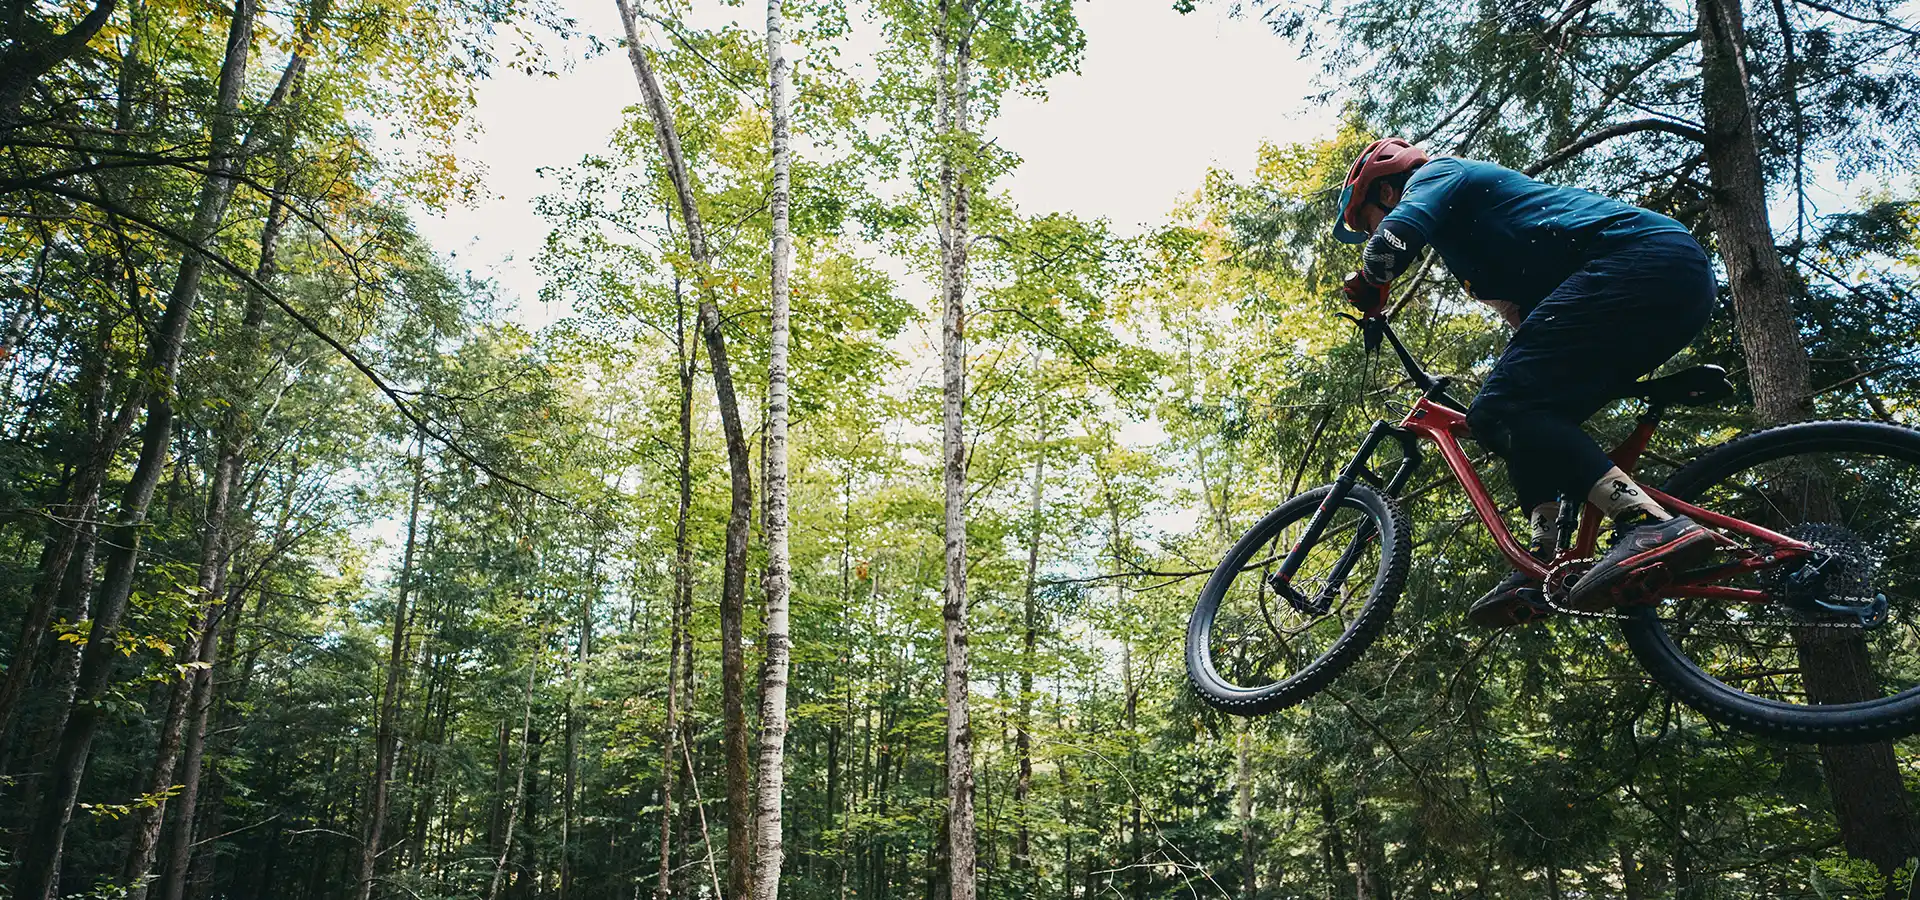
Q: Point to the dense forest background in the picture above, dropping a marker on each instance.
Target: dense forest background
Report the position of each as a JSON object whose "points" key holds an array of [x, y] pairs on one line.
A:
{"points": [[323, 581]]}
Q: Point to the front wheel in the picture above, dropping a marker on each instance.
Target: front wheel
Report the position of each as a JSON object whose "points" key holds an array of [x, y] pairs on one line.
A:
{"points": [[1792, 670], [1250, 651]]}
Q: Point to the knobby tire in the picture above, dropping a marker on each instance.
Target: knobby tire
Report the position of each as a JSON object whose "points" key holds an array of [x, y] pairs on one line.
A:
{"points": [[1884, 718], [1396, 543]]}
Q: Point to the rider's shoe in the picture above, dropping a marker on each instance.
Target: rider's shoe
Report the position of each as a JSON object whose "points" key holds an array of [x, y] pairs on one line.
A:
{"points": [[1516, 600], [1643, 561]]}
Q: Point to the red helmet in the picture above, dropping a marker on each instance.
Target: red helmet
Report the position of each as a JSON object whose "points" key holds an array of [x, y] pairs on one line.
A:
{"points": [[1387, 156]]}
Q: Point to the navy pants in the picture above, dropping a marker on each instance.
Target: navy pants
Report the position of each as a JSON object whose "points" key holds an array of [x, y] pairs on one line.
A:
{"points": [[1614, 320]]}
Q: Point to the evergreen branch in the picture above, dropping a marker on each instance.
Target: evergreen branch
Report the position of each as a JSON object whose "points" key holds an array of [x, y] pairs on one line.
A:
{"points": [[1690, 33], [1618, 129], [1619, 87], [1851, 17], [1472, 98]]}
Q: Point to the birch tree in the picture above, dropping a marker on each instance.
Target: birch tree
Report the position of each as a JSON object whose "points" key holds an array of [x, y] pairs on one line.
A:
{"points": [[734, 585], [779, 582]]}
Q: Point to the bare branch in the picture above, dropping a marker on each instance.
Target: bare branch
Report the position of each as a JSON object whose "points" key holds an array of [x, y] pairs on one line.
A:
{"points": [[1864, 20]]}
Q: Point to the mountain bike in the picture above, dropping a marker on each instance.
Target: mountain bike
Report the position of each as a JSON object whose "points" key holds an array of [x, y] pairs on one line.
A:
{"points": [[1801, 626]]}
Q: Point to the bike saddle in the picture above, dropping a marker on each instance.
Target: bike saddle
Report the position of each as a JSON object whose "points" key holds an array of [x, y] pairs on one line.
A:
{"points": [[1695, 386]]}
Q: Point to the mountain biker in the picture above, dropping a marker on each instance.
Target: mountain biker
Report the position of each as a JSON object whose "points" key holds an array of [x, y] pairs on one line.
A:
{"points": [[1598, 292]]}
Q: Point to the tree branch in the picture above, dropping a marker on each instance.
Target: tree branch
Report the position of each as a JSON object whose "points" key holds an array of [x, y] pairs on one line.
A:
{"points": [[1618, 129], [312, 327], [1882, 23]]}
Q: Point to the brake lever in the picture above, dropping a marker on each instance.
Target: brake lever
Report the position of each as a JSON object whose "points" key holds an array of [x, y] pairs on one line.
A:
{"points": [[1372, 329]]}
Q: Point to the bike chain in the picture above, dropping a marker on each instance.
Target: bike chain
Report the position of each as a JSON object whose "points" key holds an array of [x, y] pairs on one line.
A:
{"points": [[1619, 616]]}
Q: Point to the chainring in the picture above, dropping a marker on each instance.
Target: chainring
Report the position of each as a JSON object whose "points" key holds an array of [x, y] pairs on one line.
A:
{"points": [[1561, 578]]}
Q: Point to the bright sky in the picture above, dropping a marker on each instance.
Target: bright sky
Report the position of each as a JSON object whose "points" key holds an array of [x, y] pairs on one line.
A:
{"points": [[1160, 98]]}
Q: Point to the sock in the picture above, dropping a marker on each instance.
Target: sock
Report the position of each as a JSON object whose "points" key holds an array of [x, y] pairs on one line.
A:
{"points": [[1545, 520], [1621, 499]]}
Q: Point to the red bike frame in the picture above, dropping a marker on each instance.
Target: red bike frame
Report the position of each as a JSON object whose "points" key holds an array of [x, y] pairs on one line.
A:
{"points": [[1442, 420], [1445, 427]]}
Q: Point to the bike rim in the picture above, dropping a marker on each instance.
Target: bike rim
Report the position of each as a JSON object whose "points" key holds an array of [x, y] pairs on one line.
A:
{"points": [[1257, 638]]}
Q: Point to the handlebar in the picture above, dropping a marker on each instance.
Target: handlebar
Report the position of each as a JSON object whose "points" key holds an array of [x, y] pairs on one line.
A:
{"points": [[1374, 328]]}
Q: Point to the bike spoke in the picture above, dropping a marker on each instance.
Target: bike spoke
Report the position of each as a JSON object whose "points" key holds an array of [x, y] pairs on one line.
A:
{"points": [[1258, 636], [1867, 502]]}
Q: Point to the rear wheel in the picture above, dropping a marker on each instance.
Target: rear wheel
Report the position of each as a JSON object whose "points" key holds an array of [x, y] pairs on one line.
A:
{"points": [[1802, 668], [1250, 651]]}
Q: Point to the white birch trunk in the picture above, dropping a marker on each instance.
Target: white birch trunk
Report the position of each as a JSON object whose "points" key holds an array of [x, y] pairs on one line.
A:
{"points": [[773, 686], [951, 94]]}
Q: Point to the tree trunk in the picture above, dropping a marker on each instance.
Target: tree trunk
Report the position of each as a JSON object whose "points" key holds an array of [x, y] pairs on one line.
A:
{"points": [[530, 881], [1333, 848], [1137, 870], [682, 602], [1869, 798], [66, 595], [144, 837], [574, 702], [386, 740], [1029, 640], [185, 856], [497, 814], [733, 587], [1249, 873], [56, 696], [1066, 802], [434, 723], [67, 542], [236, 437], [40, 863], [953, 89], [779, 585], [173, 885], [210, 589], [669, 741], [1631, 878], [519, 782]]}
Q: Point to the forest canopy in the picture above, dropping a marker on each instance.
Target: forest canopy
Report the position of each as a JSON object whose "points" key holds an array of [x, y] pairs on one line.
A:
{"points": [[837, 537]]}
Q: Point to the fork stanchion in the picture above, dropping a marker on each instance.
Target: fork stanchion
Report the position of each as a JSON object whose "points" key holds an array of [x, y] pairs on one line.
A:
{"points": [[1282, 581]]}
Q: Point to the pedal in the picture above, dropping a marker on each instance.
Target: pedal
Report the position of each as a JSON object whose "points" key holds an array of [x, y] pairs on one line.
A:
{"points": [[1644, 587], [1531, 606]]}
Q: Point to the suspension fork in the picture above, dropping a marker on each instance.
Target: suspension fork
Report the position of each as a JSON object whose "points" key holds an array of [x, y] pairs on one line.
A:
{"points": [[1355, 470]]}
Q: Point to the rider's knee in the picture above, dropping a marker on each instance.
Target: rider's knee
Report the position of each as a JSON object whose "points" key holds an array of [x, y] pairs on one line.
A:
{"points": [[1491, 421]]}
